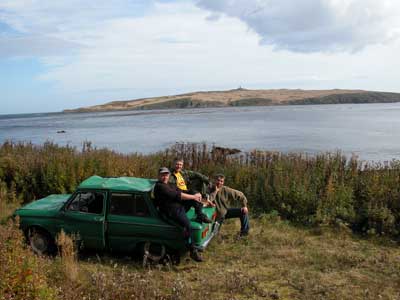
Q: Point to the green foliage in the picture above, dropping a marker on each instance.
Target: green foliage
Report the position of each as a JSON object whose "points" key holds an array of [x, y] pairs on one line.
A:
{"points": [[322, 189], [21, 273], [252, 102], [365, 97]]}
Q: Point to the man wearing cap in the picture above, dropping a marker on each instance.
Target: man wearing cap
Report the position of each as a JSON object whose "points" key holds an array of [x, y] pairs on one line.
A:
{"points": [[175, 203], [223, 197], [185, 179]]}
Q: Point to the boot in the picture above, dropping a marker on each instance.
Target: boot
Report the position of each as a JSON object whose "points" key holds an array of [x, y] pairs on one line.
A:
{"points": [[202, 218], [195, 255]]}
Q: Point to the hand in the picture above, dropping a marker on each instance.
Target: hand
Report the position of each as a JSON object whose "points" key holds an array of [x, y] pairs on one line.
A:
{"points": [[245, 210], [210, 203], [198, 197]]}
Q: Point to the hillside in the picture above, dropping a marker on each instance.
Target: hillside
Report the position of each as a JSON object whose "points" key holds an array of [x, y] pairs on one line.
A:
{"points": [[245, 97]]}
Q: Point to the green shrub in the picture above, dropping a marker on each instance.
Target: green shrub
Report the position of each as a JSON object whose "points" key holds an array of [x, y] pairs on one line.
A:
{"points": [[322, 189], [22, 274]]}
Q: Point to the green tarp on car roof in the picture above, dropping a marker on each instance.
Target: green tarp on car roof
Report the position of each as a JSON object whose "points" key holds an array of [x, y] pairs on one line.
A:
{"points": [[118, 183]]}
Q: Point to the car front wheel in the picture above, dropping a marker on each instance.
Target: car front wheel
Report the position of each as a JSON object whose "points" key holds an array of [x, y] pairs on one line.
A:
{"points": [[40, 241]]}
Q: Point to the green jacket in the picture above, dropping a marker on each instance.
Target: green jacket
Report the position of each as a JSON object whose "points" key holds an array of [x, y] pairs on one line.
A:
{"points": [[195, 181], [225, 198]]}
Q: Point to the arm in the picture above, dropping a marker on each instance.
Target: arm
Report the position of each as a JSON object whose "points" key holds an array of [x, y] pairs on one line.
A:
{"points": [[196, 175], [196, 197], [167, 193], [173, 194], [236, 196]]}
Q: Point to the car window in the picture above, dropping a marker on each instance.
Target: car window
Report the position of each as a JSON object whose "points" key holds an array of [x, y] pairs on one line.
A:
{"points": [[87, 202], [129, 205]]}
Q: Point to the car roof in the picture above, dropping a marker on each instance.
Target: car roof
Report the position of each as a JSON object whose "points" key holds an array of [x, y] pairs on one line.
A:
{"points": [[118, 183]]}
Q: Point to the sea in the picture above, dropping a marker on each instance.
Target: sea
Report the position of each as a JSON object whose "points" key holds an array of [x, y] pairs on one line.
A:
{"points": [[369, 131]]}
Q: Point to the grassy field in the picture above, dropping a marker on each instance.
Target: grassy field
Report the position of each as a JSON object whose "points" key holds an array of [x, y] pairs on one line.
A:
{"points": [[277, 261]]}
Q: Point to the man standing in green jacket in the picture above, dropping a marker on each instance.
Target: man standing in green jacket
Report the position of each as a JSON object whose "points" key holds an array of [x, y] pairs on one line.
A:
{"points": [[223, 197]]}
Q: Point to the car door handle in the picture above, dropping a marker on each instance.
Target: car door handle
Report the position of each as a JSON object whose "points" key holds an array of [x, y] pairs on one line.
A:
{"points": [[98, 219]]}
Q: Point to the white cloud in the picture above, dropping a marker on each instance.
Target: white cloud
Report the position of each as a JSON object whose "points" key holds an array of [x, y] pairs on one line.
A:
{"points": [[179, 47], [48, 16], [315, 25], [176, 46], [59, 25], [41, 46]]}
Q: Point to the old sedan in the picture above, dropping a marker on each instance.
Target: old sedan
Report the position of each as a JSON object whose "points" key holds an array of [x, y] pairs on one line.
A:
{"points": [[112, 214]]}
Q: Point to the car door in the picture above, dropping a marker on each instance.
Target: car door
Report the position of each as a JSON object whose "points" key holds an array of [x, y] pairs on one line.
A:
{"points": [[131, 221], [84, 215]]}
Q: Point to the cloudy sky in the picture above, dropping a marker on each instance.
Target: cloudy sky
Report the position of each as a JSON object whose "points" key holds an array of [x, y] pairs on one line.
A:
{"points": [[64, 54]]}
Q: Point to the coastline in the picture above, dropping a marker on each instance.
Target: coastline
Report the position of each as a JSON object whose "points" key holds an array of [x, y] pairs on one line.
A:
{"points": [[245, 98]]}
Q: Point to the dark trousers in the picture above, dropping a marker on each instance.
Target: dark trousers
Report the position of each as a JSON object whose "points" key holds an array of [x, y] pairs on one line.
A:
{"points": [[178, 214], [187, 204], [238, 213]]}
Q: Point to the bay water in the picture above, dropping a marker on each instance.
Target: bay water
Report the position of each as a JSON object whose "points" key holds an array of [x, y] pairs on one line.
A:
{"points": [[369, 131]]}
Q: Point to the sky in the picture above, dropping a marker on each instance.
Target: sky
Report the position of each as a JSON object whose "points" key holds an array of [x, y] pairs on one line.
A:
{"points": [[65, 54]]}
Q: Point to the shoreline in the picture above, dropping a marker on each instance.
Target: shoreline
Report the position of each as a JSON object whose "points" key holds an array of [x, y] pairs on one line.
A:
{"points": [[245, 98], [167, 110]]}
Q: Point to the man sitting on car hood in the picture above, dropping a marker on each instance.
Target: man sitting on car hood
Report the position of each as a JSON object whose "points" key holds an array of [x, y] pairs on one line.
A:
{"points": [[174, 204]]}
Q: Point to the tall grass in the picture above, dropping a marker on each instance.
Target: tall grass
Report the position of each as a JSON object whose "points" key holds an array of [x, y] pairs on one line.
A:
{"points": [[24, 276], [68, 255], [322, 189], [21, 273]]}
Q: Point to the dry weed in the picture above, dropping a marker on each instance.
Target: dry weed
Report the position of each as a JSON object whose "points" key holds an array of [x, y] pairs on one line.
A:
{"points": [[68, 253]]}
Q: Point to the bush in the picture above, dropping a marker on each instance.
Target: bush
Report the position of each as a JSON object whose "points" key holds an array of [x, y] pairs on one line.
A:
{"points": [[322, 189], [22, 274]]}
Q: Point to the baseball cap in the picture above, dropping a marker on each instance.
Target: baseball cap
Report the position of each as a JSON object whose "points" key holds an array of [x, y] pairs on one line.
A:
{"points": [[163, 170]]}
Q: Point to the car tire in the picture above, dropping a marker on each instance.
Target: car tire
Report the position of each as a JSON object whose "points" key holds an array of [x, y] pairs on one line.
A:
{"points": [[153, 252], [175, 258], [40, 241]]}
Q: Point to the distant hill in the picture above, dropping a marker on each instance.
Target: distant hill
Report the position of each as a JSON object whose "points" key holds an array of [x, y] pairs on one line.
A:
{"points": [[245, 97]]}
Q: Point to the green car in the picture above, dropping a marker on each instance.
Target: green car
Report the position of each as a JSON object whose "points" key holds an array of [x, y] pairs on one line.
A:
{"points": [[112, 214]]}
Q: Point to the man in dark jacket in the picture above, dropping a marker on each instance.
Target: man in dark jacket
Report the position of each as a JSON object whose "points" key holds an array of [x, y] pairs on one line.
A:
{"points": [[224, 198], [174, 203], [186, 180]]}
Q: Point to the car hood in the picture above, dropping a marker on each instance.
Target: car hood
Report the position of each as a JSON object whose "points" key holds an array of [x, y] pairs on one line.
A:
{"points": [[45, 206]]}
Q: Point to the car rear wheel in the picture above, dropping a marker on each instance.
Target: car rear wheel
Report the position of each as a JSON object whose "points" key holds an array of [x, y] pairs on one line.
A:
{"points": [[40, 241], [153, 252]]}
